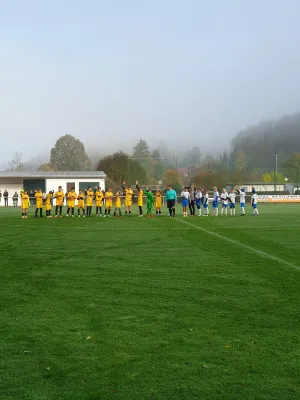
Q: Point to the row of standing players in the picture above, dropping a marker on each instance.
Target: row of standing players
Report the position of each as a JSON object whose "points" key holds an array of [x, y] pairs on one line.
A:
{"points": [[192, 198], [85, 200]]}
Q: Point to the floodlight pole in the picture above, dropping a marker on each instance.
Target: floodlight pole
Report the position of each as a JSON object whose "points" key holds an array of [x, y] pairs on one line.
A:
{"points": [[298, 176], [276, 172]]}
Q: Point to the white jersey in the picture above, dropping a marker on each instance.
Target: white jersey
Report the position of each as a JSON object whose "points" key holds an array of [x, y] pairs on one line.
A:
{"points": [[185, 195], [242, 197], [232, 197], [216, 196], [254, 198], [224, 197], [199, 195], [205, 198]]}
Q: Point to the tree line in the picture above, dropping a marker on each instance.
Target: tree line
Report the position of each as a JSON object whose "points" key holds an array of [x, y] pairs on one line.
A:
{"points": [[251, 158]]}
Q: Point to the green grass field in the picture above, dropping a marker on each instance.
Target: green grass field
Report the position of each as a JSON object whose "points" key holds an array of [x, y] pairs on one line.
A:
{"points": [[151, 309]]}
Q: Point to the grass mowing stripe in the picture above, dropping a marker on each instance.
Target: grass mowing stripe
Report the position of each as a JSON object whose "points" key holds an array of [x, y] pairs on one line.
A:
{"points": [[245, 246]]}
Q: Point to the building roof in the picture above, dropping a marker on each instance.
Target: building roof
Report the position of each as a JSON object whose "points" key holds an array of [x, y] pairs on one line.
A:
{"points": [[52, 174]]}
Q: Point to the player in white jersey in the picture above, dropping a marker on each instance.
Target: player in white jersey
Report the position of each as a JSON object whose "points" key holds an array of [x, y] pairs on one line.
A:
{"points": [[215, 202], [232, 197], [205, 203], [242, 194], [199, 201], [224, 198], [185, 196], [254, 202]]}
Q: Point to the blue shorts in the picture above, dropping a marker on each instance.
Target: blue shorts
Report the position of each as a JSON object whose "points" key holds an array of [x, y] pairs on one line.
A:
{"points": [[232, 205], [198, 203], [242, 204], [224, 205], [215, 204], [254, 205], [184, 202]]}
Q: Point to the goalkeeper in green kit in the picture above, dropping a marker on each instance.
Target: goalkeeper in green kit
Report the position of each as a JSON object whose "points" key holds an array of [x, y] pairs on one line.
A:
{"points": [[150, 201]]}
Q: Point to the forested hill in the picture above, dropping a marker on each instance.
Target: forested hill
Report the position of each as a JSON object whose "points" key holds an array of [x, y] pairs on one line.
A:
{"points": [[258, 144]]}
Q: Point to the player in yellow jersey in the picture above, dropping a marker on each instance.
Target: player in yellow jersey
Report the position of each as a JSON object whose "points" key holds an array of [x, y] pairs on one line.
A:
{"points": [[47, 205], [140, 198], [59, 196], [25, 202], [108, 202], [118, 203], [72, 196], [38, 203], [80, 203], [128, 192], [99, 196], [89, 201], [158, 200]]}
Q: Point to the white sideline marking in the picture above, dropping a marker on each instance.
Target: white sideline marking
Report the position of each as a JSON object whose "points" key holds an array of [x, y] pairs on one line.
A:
{"points": [[245, 246]]}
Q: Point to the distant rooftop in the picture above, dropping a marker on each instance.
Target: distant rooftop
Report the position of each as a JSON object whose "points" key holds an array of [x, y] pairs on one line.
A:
{"points": [[52, 174]]}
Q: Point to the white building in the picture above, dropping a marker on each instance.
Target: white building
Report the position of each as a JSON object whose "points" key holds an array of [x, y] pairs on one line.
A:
{"points": [[264, 186], [16, 181]]}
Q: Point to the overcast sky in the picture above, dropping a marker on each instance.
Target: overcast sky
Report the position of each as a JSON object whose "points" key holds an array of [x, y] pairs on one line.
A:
{"points": [[110, 72]]}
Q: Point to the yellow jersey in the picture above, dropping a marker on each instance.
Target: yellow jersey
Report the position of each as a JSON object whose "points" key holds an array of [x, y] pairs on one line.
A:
{"points": [[38, 200], [118, 200], [80, 199], [158, 200], [128, 197], [48, 202], [59, 198], [140, 198], [99, 198], [89, 198], [25, 200], [108, 199], [71, 199]]}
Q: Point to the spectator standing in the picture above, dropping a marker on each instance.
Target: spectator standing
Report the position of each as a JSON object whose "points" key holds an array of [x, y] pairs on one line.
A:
{"points": [[15, 199], [5, 196]]}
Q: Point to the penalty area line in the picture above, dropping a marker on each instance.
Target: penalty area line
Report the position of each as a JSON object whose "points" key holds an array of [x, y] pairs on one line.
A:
{"points": [[261, 253]]}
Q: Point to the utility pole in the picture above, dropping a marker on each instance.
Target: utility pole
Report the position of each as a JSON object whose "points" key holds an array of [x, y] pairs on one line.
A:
{"points": [[276, 172]]}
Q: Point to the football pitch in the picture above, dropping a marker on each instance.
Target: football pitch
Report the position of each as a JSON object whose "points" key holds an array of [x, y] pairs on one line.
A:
{"points": [[151, 309]]}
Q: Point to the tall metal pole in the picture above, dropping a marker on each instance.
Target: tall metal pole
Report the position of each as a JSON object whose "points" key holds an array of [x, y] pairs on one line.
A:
{"points": [[298, 177], [276, 172]]}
